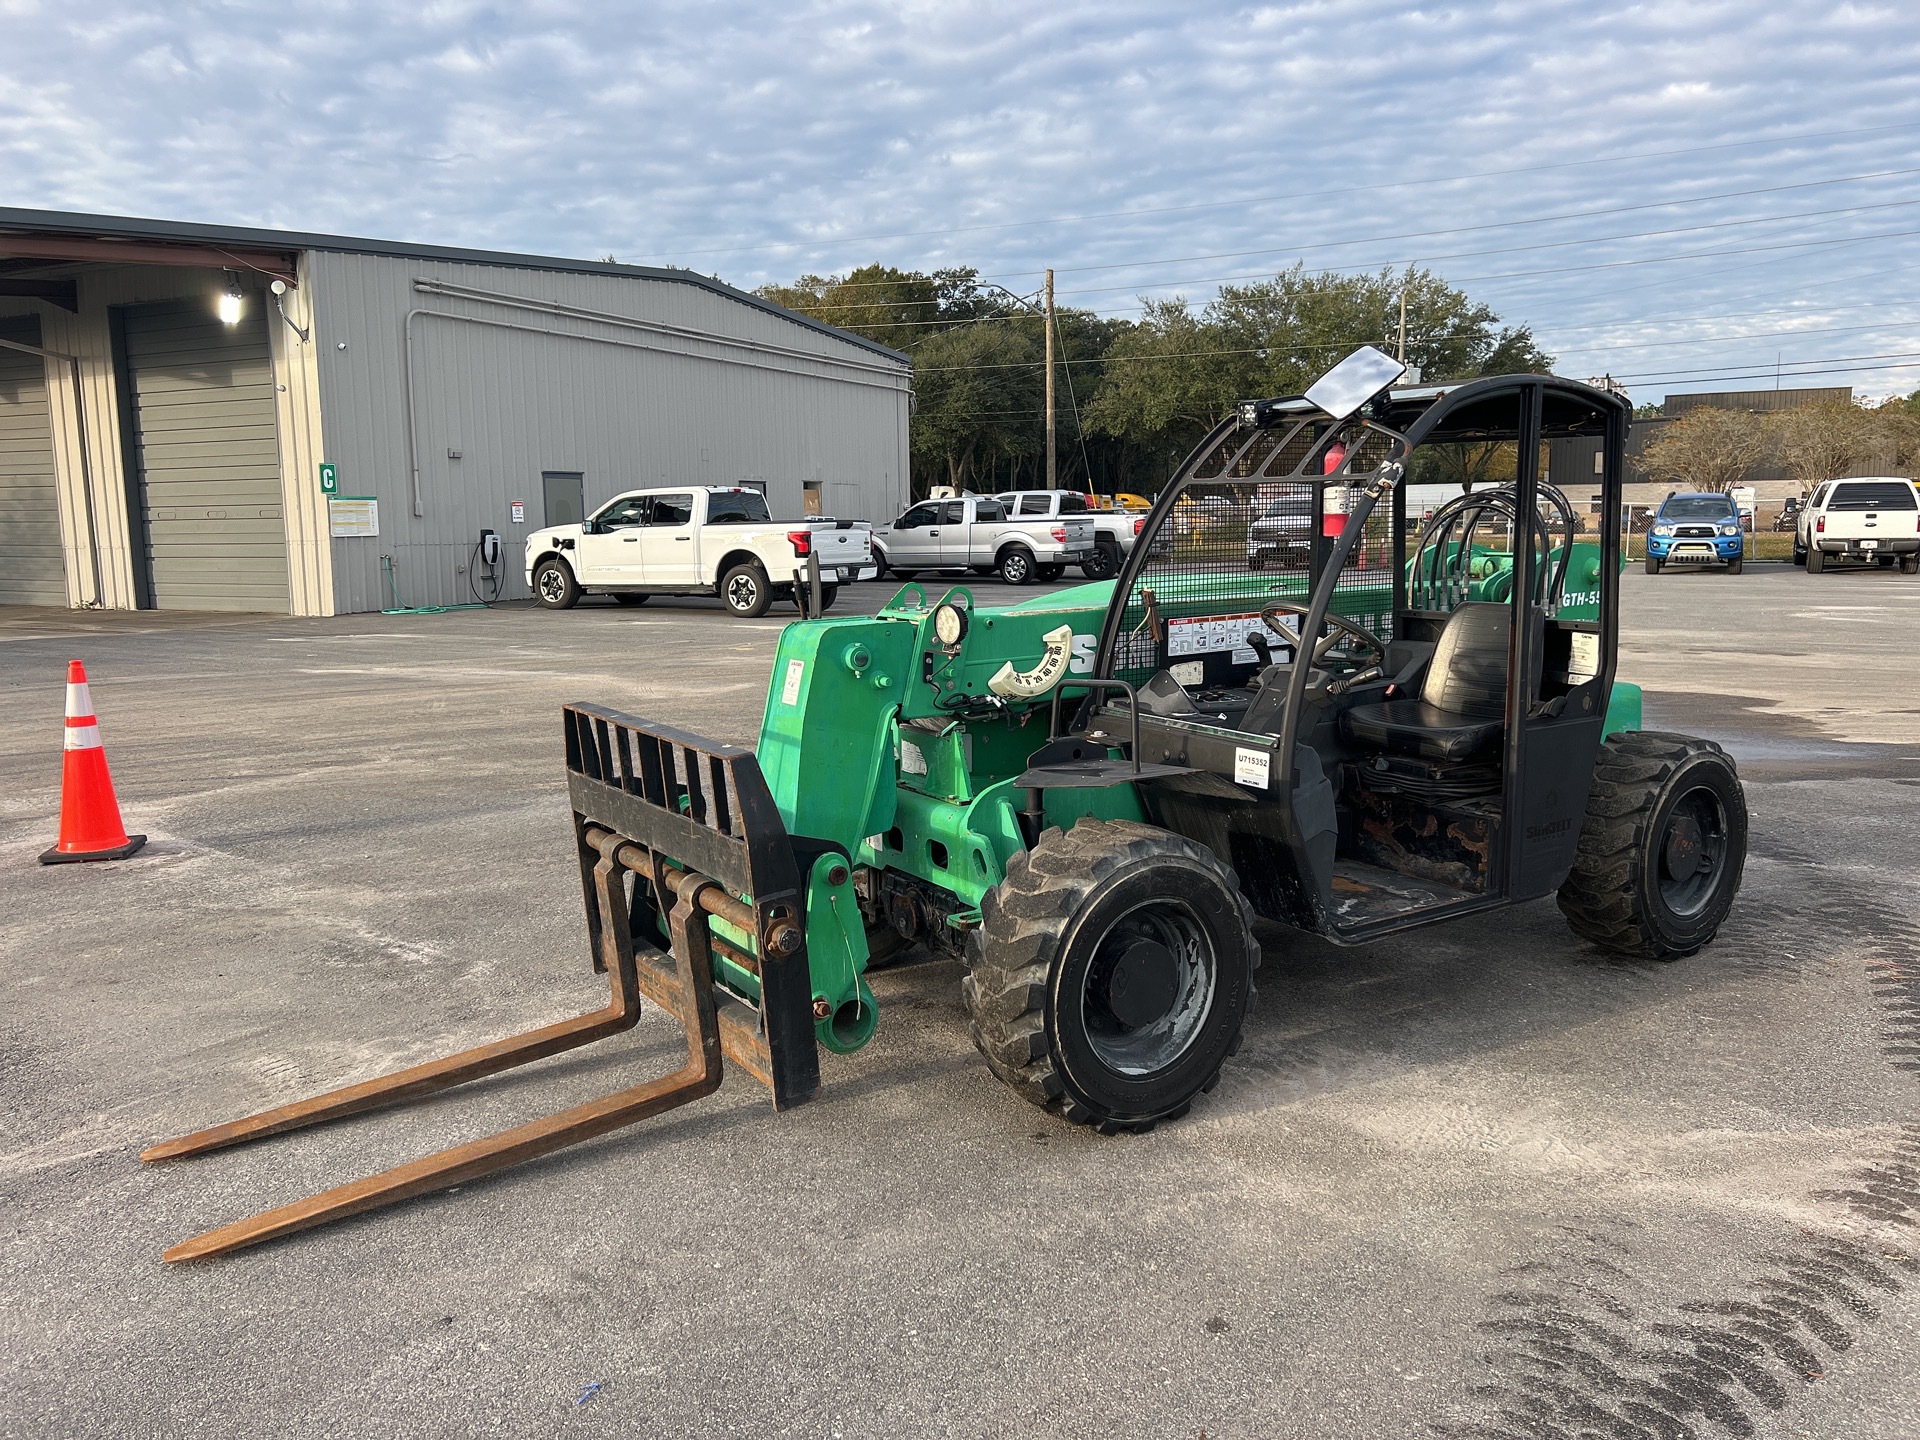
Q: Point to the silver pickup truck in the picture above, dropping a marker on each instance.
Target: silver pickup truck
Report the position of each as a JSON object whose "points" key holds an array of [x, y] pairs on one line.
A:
{"points": [[975, 533], [1114, 531]]}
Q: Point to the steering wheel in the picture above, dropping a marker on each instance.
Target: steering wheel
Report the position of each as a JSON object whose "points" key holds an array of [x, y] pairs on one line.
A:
{"points": [[1342, 626]]}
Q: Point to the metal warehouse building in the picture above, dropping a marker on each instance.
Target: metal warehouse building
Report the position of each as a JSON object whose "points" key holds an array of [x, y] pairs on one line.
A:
{"points": [[208, 418]]}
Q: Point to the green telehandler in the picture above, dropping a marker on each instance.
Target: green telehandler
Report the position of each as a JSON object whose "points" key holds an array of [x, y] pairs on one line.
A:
{"points": [[1406, 715]]}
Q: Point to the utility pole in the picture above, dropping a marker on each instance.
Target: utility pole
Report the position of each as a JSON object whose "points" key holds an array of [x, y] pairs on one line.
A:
{"points": [[1401, 354], [1053, 476]]}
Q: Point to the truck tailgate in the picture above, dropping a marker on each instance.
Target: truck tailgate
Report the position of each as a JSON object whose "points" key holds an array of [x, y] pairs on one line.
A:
{"points": [[843, 545], [1079, 532]]}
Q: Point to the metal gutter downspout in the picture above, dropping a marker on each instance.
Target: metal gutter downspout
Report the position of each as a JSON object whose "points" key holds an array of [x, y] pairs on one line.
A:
{"points": [[86, 462], [413, 438]]}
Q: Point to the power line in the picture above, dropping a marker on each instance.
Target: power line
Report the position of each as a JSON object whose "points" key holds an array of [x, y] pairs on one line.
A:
{"points": [[1301, 195]]}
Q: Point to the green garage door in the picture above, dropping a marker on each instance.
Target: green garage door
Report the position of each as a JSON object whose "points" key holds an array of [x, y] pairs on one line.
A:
{"points": [[33, 569], [208, 460]]}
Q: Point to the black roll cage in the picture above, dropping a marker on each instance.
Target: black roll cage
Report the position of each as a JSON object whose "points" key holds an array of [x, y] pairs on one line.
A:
{"points": [[1550, 408]]}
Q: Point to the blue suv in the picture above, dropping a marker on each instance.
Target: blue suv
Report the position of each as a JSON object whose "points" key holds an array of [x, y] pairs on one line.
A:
{"points": [[1697, 529]]}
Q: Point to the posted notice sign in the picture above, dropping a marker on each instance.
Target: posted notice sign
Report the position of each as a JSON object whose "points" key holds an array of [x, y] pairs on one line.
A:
{"points": [[353, 515]]}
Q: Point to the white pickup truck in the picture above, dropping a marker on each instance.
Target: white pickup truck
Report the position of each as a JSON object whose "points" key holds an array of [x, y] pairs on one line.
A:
{"points": [[974, 532], [1114, 531], [1874, 518], [693, 540]]}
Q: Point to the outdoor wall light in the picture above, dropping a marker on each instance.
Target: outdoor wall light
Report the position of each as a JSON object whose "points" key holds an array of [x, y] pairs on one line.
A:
{"points": [[228, 306]]}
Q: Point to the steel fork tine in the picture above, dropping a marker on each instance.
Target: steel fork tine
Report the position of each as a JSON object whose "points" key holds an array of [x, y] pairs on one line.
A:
{"points": [[700, 1076]]}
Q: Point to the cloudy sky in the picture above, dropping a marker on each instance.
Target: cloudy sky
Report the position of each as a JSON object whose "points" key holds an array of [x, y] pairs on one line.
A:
{"points": [[1686, 195]]}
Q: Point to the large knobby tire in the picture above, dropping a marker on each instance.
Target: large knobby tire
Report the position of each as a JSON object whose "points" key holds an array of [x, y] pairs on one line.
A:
{"points": [[746, 591], [1111, 973], [1662, 849], [554, 586], [1104, 562]]}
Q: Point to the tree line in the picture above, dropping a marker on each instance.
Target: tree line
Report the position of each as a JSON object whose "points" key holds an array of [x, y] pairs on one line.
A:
{"points": [[1133, 397], [1709, 448]]}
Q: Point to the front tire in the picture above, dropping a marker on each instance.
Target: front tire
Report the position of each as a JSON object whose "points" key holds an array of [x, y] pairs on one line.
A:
{"points": [[1662, 848], [1112, 973], [1736, 565], [1016, 566], [1653, 566], [554, 586], [746, 592], [1104, 563]]}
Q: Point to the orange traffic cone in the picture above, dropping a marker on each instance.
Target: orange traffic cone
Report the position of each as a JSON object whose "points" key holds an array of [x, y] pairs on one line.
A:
{"points": [[90, 826]]}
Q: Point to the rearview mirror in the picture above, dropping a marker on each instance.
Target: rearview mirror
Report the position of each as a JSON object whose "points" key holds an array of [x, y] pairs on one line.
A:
{"points": [[1355, 381]]}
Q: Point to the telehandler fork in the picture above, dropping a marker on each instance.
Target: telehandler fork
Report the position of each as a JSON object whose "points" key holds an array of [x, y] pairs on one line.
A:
{"points": [[713, 802]]}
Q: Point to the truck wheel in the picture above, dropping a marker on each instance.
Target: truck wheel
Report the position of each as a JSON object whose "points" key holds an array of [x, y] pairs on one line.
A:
{"points": [[1662, 849], [1111, 973], [1653, 566], [828, 594], [1799, 556], [1016, 565], [1816, 560], [1910, 564], [1050, 573], [630, 597], [1736, 565], [1104, 563], [554, 586], [745, 591]]}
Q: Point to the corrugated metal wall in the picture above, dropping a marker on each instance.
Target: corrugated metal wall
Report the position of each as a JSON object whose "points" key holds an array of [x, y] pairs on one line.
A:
{"points": [[502, 392], [32, 565]]}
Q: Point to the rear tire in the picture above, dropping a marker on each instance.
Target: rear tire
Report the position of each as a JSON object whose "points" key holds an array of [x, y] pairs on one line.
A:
{"points": [[1112, 973], [554, 586], [746, 591], [1016, 565], [1910, 564], [628, 597], [828, 594], [1049, 573], [1662, 848], [1816, 561]]}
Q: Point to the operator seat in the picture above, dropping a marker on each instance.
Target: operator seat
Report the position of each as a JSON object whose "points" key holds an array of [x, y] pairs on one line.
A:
{"points": [[1463, 698]]}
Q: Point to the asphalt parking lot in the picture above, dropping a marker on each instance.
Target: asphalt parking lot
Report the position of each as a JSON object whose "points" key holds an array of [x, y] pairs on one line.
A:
{"points": [[1476, 1181]]}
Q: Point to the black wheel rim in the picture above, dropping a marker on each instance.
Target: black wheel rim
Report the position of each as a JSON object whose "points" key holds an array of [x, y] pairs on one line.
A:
{"points": [[1690, 853], [743, 592], [1183, 961]]}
